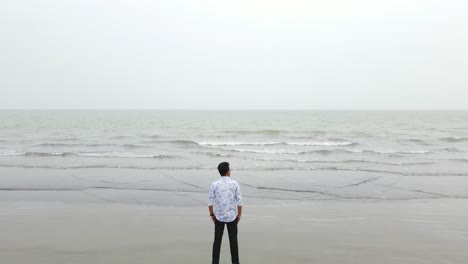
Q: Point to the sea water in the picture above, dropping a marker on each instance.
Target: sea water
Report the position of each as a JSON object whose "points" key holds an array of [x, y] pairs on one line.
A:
{"points": [[365, 145]]}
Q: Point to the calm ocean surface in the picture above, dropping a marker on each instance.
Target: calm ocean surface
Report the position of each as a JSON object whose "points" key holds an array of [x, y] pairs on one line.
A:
{"points": [[396, 142]]}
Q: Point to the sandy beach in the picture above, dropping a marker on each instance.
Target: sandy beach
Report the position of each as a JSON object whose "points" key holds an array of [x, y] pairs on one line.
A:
{"points": [[94, 217], [307, 232]]}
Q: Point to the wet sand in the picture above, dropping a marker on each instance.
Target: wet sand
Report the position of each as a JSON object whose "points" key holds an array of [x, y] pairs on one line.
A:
{"points": [[418, 231], [132, 216]]}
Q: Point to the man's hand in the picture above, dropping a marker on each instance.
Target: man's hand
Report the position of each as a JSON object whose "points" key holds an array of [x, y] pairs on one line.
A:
{"points": [[239, 213], [213, 217]]}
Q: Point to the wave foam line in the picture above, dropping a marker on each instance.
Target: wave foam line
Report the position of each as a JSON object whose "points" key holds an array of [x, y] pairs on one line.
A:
{"points": [[89, 154], [232, 143], [324, 151], [90, 145], [455, 139]]}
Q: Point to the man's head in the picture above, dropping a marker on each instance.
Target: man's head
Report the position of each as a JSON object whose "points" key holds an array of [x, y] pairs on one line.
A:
{"points": [[223, 169]]}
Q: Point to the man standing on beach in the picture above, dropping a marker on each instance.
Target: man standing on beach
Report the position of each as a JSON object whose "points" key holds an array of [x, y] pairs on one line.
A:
{"points": [[226, 197]]}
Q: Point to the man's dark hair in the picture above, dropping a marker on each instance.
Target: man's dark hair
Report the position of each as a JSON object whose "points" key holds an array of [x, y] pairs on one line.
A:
{"points": [[223, 168]]}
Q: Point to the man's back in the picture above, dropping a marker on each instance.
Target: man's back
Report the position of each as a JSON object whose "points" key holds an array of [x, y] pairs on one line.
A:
{"points": [[225, 196]]}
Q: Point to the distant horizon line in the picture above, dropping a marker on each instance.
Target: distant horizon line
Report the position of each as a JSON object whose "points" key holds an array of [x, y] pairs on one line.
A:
{"points": [[219, 109]]}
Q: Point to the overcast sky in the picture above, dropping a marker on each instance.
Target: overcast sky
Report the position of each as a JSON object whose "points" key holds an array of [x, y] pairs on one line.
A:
{"points": [[242, 54]]}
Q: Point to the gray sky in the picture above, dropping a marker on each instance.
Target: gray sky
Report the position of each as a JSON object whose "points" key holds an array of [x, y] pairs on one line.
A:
{"points": [[243, 54]]}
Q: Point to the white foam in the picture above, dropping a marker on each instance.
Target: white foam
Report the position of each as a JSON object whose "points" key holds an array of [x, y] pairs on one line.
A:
{"points": [[10, 152], [326, 143], [123, 155], [232, 143], [389, 151], [86, 154], [266, 143], [265, 151]]}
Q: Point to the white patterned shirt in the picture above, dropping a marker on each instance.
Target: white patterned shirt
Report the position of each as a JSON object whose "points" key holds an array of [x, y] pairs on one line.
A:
{"points": [[225, 195]]}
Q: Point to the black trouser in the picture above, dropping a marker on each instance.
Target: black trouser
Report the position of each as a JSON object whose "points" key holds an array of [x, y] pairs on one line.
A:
{"points": [[218, 236]]}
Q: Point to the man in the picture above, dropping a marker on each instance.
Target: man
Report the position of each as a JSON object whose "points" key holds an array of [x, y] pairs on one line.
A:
{"points": [[226, 197]]}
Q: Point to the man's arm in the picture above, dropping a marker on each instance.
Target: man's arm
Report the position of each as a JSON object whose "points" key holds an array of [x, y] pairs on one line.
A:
{"points": [[239, 213], [213, 218], [239, 203], [211, 198]]}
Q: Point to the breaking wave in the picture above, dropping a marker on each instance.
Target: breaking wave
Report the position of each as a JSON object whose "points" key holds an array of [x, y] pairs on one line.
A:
{"points": [[454, 139], [89, 154], [324, 143], [90, 145], [324, 151]]}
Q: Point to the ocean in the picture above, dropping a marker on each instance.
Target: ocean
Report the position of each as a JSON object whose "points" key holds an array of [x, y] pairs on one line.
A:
{"points": [[274, 154]]}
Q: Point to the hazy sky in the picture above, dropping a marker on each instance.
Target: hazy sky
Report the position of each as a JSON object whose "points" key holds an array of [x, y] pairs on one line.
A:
{"points": [[242, 54]]}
